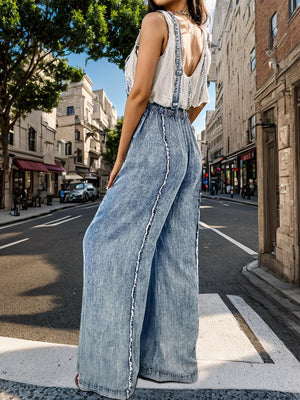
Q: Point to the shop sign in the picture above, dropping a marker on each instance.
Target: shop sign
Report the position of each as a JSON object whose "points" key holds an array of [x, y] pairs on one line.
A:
{"points": [[247, 156]]}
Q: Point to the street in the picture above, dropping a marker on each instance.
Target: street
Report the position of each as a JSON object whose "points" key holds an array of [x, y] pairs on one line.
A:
{"points": [[246, 340]]}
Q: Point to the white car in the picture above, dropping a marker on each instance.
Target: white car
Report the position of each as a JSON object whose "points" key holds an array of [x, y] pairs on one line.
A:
{"points": [[82, 192]]}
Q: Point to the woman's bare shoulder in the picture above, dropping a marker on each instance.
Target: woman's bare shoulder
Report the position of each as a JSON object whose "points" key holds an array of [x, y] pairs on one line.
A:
{"points": [[154, 19]]}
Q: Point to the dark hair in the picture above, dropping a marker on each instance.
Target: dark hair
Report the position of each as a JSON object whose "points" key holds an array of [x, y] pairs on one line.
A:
{"points": [[197, 9]]}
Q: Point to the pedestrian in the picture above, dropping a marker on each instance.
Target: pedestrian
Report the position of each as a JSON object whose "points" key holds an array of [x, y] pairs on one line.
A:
{"points": [[248, 190], [231, 192], [139, 315]]}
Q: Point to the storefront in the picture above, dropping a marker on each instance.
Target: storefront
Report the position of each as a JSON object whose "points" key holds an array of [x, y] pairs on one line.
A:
{"points": [[230, 175], [239, 169], [248, 170], [32, 177], [215, 176]]}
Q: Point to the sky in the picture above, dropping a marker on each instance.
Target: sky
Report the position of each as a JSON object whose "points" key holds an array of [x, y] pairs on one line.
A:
{"points": [[110, 77]]}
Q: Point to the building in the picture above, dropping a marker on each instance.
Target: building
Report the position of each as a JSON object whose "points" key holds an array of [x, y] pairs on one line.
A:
{"points": [[214, 147], [83, 118], [33, 166], [232, 128], [277, 31]]}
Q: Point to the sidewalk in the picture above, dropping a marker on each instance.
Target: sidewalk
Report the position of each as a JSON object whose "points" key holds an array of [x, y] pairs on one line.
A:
{"points": [[286, 294], [6, 218], [236, 198]]}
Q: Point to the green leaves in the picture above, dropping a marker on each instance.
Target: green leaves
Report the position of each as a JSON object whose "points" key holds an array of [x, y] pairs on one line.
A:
{"points": [[112, 142], [36, 37]]}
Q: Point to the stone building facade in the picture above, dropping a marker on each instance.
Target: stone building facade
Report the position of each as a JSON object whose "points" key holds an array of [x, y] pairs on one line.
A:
{"points": [[277, 31], [33, 165], [232, 137], [83, 118]]}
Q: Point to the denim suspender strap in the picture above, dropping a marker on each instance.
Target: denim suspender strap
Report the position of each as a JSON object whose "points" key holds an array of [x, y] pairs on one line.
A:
{"points": [[178, 63]]}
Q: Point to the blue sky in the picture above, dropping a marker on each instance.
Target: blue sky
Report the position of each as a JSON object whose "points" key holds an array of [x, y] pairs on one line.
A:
{"points": [[110, 77]]}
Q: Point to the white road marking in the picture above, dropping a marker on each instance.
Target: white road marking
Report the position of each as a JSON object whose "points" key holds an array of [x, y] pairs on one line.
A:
{"points": [[226, 358], [94, 205], [37, 218], [271, 343], [221, 336], [13, 243], [50, 222], [230, 239], [60, 221], [22, 222]]}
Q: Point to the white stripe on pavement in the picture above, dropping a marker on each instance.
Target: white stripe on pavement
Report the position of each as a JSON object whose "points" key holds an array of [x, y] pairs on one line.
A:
{"points": [[230, 239], [222, 337], [13, 243], [226, 358], [271, 343], [55, 220], [60, 221], [13, 224]]}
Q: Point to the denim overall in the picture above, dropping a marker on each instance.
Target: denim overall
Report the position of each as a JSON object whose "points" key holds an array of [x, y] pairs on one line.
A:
{"points": [[140, 282]]}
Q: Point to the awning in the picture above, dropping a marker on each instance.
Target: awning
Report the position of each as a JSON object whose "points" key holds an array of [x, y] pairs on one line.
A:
{"points": [[90, 176], [56, 168], [28, 165], [73, 177]]}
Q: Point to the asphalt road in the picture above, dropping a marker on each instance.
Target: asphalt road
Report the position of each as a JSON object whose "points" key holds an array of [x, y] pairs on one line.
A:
{"points": [[40, 300], [41, 275], [221, 263]]}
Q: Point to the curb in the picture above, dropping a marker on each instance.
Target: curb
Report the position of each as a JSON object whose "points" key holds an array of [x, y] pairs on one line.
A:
{"points": [[36, 215], [42, 213], [230, 199], [286, 294]]}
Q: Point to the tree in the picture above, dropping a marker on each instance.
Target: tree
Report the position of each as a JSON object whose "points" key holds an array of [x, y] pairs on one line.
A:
{"points": [[112, 142], [35, 39]]}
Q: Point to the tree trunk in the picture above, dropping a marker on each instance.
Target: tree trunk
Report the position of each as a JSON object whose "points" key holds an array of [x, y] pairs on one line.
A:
{"points": [[5, 165]]}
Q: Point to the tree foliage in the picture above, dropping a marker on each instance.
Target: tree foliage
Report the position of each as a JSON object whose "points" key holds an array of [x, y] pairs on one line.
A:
{"points": [[112, 142], [36, 38]]}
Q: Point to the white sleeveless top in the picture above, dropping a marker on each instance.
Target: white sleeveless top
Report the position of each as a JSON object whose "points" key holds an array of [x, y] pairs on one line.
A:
{"points": [[193, 90]]}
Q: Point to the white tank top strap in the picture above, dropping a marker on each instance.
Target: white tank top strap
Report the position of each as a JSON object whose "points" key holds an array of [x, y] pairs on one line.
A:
{"points": [[193, 90]]}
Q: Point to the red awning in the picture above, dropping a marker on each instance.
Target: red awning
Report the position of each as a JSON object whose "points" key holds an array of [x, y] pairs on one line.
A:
{"points": [[56, 168], [28, 165]]}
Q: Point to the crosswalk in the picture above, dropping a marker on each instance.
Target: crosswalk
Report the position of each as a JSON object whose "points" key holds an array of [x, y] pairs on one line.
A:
{"points": [[230, 355]]}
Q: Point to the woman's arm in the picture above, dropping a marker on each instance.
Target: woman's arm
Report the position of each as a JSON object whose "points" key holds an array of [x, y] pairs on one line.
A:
{"points": [[195, 111], [153, 29]]}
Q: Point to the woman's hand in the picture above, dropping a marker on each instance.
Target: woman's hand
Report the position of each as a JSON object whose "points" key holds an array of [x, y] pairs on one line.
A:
{"points": [[116, 168]]}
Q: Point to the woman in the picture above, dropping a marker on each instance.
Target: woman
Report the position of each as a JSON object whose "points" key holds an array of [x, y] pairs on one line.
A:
{"points": [[140, 294]]}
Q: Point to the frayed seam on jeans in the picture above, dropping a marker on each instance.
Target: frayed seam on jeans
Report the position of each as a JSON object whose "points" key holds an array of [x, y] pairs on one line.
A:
{"points": [[129, 390]]}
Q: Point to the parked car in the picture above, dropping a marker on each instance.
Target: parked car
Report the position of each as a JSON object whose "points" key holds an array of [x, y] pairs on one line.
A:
{"points": [[82, 192]]}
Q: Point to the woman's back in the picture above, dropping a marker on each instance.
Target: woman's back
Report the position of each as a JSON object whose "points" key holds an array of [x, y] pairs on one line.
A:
{"points": [[195, 67]]}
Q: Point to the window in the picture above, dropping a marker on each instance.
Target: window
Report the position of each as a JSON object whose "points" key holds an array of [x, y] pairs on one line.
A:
{"points": [[31, 139], [252, 123], [70, 110], [273, 29], [77, 134], [79, 155], [293, 5], [252, 59], [68, 148]]}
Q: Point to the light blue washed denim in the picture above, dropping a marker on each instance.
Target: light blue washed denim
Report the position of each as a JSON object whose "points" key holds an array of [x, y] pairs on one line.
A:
{"points": [[140, 283]]}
